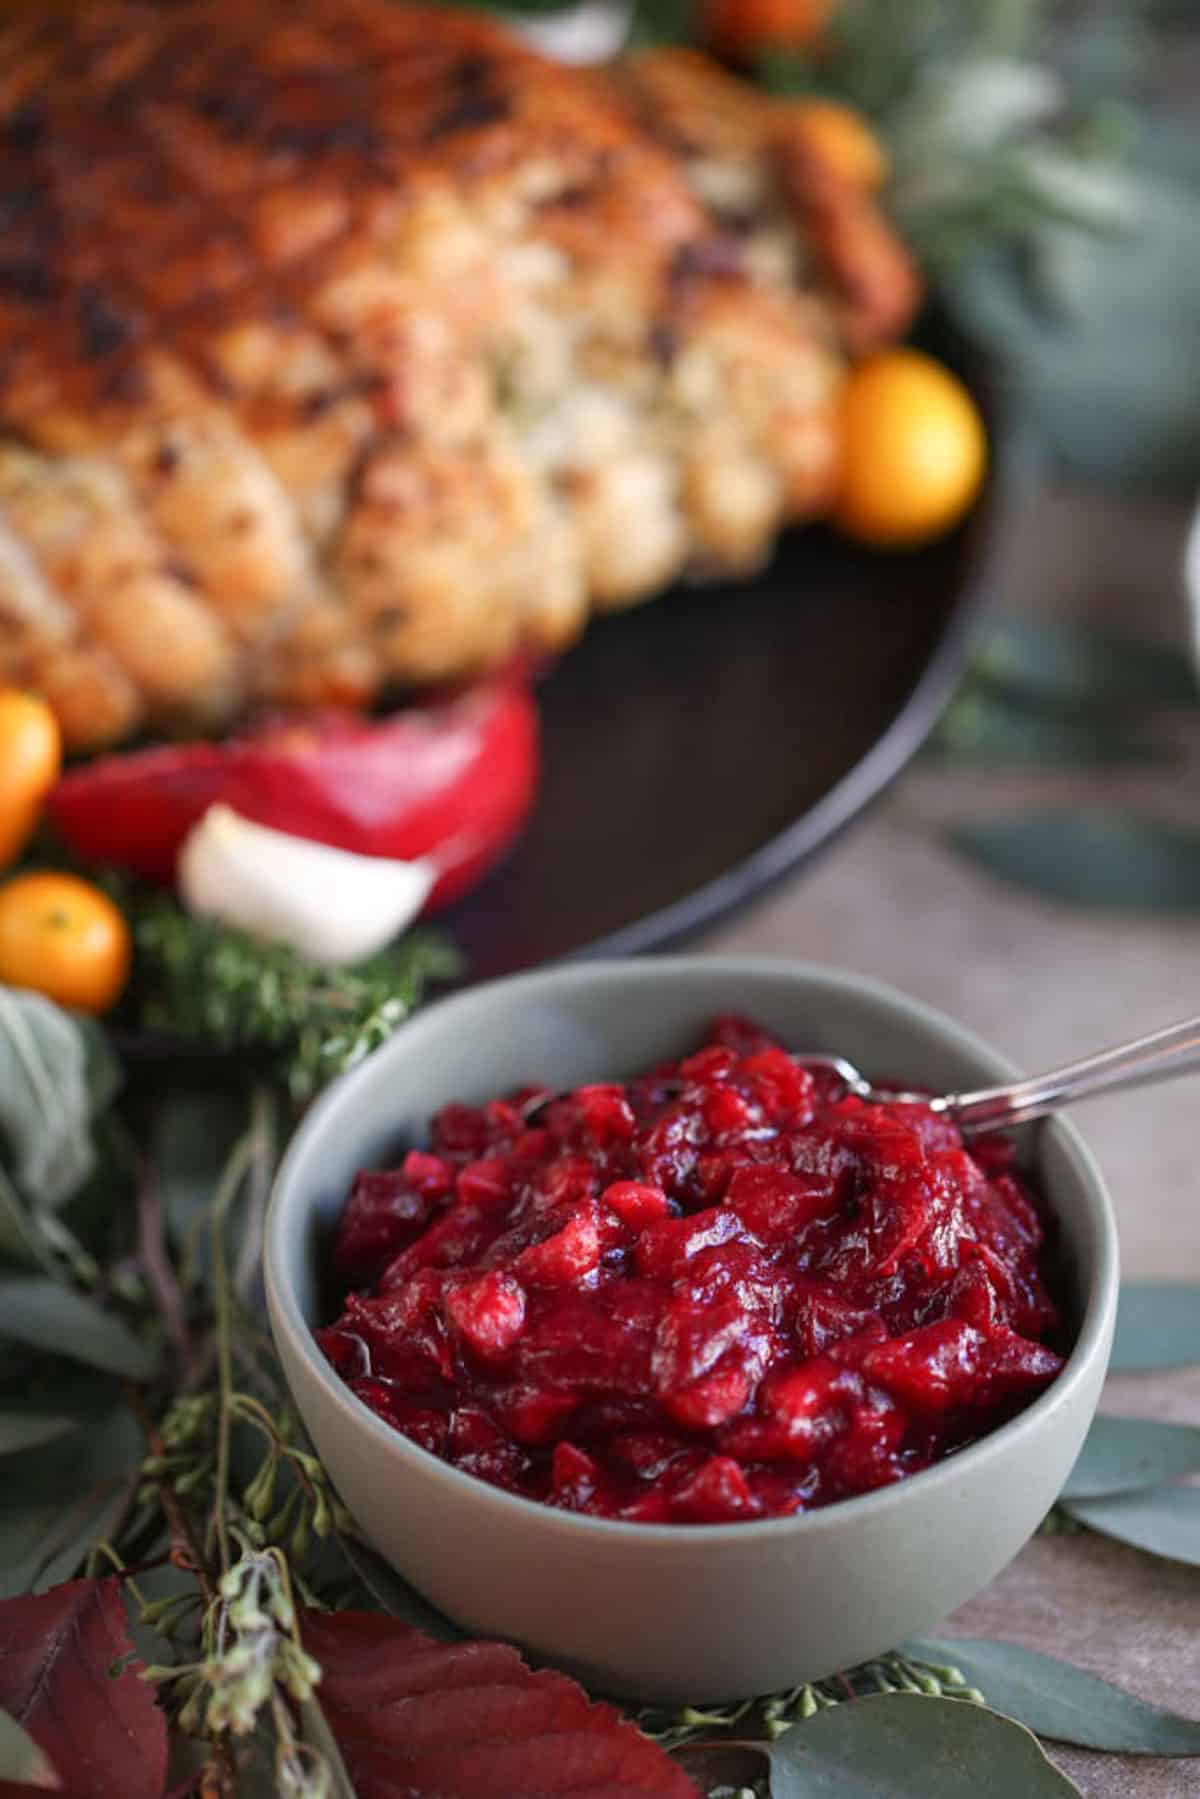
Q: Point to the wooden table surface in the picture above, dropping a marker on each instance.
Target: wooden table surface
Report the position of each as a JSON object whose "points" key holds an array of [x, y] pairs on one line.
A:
{"points": [[1042, 983]]}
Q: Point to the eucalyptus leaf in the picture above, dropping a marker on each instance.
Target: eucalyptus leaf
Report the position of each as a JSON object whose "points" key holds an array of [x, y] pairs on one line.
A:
{"points": [[1108, 860], [69, 1496], [1158, 1326], [20, 1757], [1164, 1521], [21, 1430], [45, 1096], [905, 1746], [1057, 1700], [48, 1316], [1059, 662], [1122, 1455], [983, 726]]}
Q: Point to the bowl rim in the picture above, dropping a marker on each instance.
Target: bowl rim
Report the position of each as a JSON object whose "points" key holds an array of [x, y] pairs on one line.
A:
{"points": [[286, 1316]]}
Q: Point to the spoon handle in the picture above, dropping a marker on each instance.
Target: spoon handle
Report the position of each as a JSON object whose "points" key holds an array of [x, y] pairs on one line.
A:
{"points": [[1159, 1057]]}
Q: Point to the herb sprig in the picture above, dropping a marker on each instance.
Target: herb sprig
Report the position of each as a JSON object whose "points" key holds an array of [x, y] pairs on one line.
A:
{"points": [[198, 980]]}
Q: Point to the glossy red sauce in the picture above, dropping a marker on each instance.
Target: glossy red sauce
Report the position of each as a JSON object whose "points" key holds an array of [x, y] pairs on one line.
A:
{"points": [[725, 1290]]}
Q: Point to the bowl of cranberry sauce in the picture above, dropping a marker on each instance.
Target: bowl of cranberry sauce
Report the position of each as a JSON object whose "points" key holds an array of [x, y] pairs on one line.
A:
{"points": [[722, 1290], [629, 1337]]}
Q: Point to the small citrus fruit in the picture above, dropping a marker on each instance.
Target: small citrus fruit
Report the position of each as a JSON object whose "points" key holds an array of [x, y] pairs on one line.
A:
{"points": [[843, 138], [62, 937], [913, 450], [30, 756]]}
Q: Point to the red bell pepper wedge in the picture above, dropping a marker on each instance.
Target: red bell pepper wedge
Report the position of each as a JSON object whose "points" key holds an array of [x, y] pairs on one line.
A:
{"points": [[453, 779]]}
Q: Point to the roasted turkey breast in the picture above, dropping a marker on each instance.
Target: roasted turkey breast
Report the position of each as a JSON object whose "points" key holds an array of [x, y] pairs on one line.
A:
{"points": [[345, 345]]}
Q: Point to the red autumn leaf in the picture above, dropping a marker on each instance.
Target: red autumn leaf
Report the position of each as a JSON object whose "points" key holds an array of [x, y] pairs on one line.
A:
{"points": [[104, 1736], [471, 1721]]}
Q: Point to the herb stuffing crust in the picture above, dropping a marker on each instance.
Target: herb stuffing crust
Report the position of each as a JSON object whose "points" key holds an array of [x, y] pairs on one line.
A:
{"points": [[345, 345]]}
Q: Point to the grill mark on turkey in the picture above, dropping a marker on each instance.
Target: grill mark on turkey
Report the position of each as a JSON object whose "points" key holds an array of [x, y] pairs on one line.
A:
{"points": [[357, 135], [27, 279], [468, 114], [472, 69], [388, 618], [120, 103], [123, 383], [323, 399], [27, 205], [104, 329], [717, 257], [235, 112], [571, 199], [25, 125], [181, 571], [662, 341]]}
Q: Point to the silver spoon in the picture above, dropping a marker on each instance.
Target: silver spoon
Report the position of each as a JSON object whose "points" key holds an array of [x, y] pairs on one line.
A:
{"points": [[1161, 1056]]}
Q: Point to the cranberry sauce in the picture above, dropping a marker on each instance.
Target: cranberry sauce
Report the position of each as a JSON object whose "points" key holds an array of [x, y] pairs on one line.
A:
{"points": [[726, 1290]]}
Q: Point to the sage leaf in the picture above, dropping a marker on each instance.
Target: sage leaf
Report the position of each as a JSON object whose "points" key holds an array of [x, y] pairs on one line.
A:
{"points": [[1064, 663], [1124, 1454], [45, 1096], [909, 1747], [1113, 861], [20, 1241], [1057, 1700], [68, 1498], [1158, 1326], [31, 1381], [193, 1135], [48, 1316], [1165, 1521], [22, 1430], [20, 1757]]}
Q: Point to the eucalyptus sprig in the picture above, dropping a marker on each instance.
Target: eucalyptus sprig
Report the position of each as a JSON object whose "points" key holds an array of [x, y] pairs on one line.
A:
{"points": [[771, 1717]]}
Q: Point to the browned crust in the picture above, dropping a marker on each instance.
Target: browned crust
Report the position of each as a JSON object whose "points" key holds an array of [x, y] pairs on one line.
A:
{"points": [[168, 171], [873, 281], [697, 109], [261, 263]]}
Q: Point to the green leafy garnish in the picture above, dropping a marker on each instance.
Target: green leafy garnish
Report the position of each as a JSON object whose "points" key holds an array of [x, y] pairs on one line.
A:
{"points": [[199, 980]]}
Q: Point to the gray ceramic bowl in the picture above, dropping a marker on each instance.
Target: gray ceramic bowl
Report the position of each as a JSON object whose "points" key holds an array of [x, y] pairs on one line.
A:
{"points": [[676, 1612]]}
